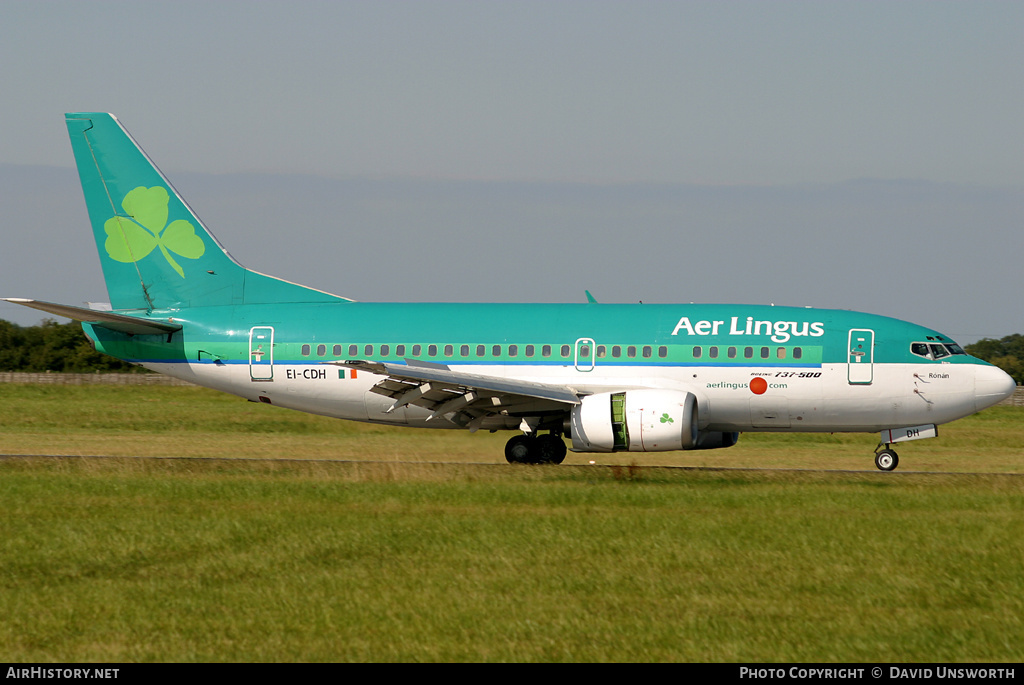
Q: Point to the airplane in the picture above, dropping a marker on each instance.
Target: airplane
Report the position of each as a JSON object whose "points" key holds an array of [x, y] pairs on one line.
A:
{"points": [[607, 377]]}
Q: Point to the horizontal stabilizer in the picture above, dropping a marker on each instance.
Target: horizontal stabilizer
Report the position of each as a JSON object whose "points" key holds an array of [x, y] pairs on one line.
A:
{"points": [[133, 325]]}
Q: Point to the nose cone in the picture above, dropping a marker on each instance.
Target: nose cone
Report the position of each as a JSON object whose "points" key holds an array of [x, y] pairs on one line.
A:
{"points": [[991, 386]]}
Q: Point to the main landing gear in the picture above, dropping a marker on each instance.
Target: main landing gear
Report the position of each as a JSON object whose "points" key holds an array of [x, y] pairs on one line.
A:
{"points": [[887, 459], [535, 449]]}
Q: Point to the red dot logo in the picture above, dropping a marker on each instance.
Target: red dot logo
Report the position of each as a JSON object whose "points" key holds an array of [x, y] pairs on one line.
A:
{"points": [[758, 386]]}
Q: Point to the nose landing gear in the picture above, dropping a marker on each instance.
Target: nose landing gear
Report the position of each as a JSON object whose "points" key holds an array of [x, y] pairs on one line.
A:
{"points": [[887, 459]]}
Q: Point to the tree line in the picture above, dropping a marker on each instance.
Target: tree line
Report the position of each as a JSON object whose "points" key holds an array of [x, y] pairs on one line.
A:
{"points": [[63, 347], [52, 346], [1006, 353]]}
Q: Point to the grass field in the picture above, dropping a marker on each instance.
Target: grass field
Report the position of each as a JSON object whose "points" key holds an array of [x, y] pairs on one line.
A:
{"points": [[397, 557]]}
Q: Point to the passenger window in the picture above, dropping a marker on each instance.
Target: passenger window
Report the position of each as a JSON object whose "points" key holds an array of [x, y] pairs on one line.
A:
{"points": [[305, 350], [798, 352], [416, 349], [748, 352], [385, 350], [513, 350], [400, 350], [616, 351], [464, 350], [353, 350], [647, 352], [782, 353], [714, 352], [696, 352], [765, 353], [662, 351], [449, 350], [565, 351], [732, 353], [432, 350], [545, 351], [529, 350], [602, 351], [321, 350], [368, 350], [631, 351], [495, 351]]}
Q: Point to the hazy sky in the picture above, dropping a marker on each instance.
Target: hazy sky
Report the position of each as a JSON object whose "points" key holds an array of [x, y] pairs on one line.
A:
{"points": [[667, 150], [692, 92]]}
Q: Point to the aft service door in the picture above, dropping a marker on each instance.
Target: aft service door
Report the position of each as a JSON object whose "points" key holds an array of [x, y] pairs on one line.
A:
{"points": [[261, 353], [860, 356]]}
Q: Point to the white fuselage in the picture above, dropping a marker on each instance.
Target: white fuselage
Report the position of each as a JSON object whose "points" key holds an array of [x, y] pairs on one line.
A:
{"points": [[820, 399]]}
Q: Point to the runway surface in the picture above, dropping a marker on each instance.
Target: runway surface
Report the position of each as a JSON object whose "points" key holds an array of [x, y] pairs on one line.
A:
{"points": [[640, 467]]}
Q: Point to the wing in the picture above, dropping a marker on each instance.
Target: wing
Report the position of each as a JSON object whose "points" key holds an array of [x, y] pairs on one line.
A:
{"points": [[469, 400]]}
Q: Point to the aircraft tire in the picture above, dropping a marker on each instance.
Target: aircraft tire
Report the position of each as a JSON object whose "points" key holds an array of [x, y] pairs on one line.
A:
{"points": [[550, 449], [887, 460], [521, 449]]}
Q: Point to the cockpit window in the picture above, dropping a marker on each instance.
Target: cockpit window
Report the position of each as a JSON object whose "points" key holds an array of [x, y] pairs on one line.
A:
{"points": [[935, 350]]}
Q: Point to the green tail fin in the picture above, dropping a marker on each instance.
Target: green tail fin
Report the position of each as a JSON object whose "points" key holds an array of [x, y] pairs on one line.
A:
{"points": [[155, 252]]}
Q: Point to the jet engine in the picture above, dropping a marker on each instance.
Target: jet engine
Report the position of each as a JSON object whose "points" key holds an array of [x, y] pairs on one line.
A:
{"points": [[635, 421], [642, 421]]}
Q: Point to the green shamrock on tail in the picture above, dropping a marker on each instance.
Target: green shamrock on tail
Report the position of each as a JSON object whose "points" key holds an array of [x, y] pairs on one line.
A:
{"points": [[665, 418], [131, 239]]}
